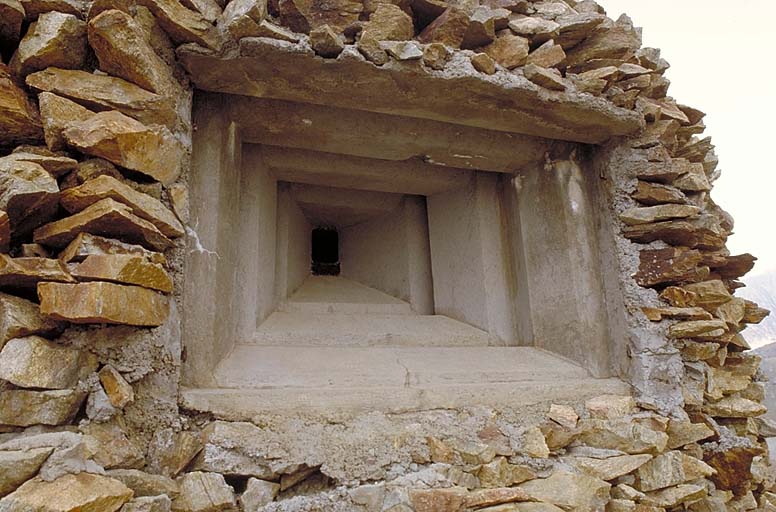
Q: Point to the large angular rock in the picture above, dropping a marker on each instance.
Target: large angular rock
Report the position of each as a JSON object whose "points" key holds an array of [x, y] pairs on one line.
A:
{"points": [[20, 317], [34, 8], [54, 164], [28, 194], [119, 391], [326, 42], [697, 328], [57, 112], [665, 470], [671, 265], [160, 503], [681, 433], [244, 18], [153, 150], [548, 55], [123, 50], [389, 23], [106, 218], [146, 484], [613, 43], [258, 493], [508, 50], [238, 449], [708, 294], [34, 362], [652, 194], [11, 18], [19, 120], [85, 245], [645, 215], [55, 39], [675, 496], [543, 77], [305, 15], [170, 452], [482, 27], [144, 206], [610, 468], [700, 233], [205, 492], [113, 448], [449, 28], [183, 25], [22, 408], [95, 303], [18, 466], [622, 434], [24, 274], [570, 491], [70, 493], [103, 92], [734, 407], [733, 465]]}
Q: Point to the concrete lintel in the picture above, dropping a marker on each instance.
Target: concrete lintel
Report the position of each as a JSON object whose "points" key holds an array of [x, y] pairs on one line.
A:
{"points": [[328, 206], [342, 171], [505, 101]]}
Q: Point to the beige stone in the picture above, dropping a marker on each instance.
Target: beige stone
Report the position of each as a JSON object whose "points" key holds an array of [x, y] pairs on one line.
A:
{"points": [[85, 245], [449, 28], [543, 77], [482, 28], [403, 50], [54, 164], [508, 50], [11, 18], [440, 451], [708, 294], [123, 50], [55, 39], [258, 493], [372, 51], [610, 406], [245, 18], [144, 206], [500, 473], [663, 471], [622, 434], [25, 273], [170, 452], [204, 492], [28, 194], [159, 503], [653, 194], [22, 408], [431, 500], [534, 27], [695, 468], [178, 194], [473, 452], [57, 112], [19, 120], [326, 42], [119, 391], [18, 466], [613, 43], [436, 56], [548, 55], [183, 25], [98, 302], [734, 407], [696, 328], [35, 251], [491, 497], [267, 29], [20, 317], [146, 484], [570, 491], [68, 493], [389, 23], [107, 218], [304, 15], [103, 92], [237, 448], [675, 496], [113, 448], [609, 468], [34, 362], [645, 215]]}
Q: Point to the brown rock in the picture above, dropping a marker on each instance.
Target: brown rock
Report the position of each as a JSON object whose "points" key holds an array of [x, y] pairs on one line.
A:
{"points": [[681, 433], [34, 8], [696, 328], [146, 484], [23, 408], [178, 195], [68, 493], [19, 120], [267, 29], [123, 50], [622, 434], [483, 63], [34, 362], [114, 449], [370, 48], [183, 25], [694, 180], [25, 273], [55, 39], [440, 451], [538, 30], [204, 492], [153, 151], [658, 314], [11, 18], [245, 18], [701, 233], [734, 407], [610, 406], [548, 55], [124, 269], [170, 452], [326, 42], [85, 245], [88, 303], [733, 465], [491, 497], [614, 43], [5, 232], [508, 50], [389, 23], [569, 491], [648, 214], [436, 55], [734, 267], [547, 78], [670, 265], [449, 28], [732, 312], [708, 294], [57, 112], [103, 92], [482, 28], [20, 317], [574, 28], [28, 194], [657, 172], [144, 206], [433, 500], [403, 50], [107, 218], [119, 391], [304, 15], [18, 466], [54, 164], [663, 471], [652, 194]]}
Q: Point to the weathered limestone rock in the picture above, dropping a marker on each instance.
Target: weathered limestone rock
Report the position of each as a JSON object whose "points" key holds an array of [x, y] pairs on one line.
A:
{"points": [[564, 415], [85, 245], [144, 206], [11, 18], [694, 180], [429, 500], [436, 56], [28, 194], [449, 28], [482, 28], [160, 503], [57, 112], [389, 23], [610, 406], [695, 328], [103, 92], [237, 449], [491, 497], [114, 449], [548, 55], [108, 218], [569, 491], [326, 42], [671, 265], [146, 484], [26, 273], [22, 408], [508, 50], [170, 452], [663, 471], [119, 391], [245, 18], [153, 151], [684, 432], [675, 496], [54, 164], [703, 232], [19, 120], [204, 492], [123, 50], [605, 44], [34, 362], [500, 473], [538, 29], [124, 269], [20, 317], [55, 39], [734, 407], [88, 303], [18, 466], [183, 25], [483, 63], [258, 493], [652, 194], [708, 294], [543, 77], [622, 434], [610, 468], [69, 493], [372, 51], [645, 215], [70, 459], [733, 465], [658, 314], [403, 50]]}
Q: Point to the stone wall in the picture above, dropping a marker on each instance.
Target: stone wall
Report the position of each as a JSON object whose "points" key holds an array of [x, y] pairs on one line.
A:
{"points": [[96, 131]]}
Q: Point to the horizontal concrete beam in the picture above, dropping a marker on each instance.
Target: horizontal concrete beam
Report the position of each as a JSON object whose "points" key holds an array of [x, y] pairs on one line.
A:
{"points": [[383, 136], [326, 206], [459, 95], [342, 171]]}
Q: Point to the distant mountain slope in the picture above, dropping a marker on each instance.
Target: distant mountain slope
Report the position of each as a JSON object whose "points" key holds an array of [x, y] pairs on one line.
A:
{"points": [[762, 290]]}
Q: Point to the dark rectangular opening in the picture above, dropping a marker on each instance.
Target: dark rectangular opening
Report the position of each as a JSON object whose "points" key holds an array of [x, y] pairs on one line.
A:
{"points": [[325, 252]]}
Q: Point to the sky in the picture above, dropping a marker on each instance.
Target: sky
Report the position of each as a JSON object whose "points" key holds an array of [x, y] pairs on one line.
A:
{"points": [[721, 63]]}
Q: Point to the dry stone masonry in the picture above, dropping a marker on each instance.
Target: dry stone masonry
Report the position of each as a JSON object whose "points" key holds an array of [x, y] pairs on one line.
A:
{"points": [[97, 240]]}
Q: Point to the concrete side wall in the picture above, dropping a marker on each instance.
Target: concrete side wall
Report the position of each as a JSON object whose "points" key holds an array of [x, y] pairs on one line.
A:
{"points": [[419, 256], [562, 263], [292, 262]]}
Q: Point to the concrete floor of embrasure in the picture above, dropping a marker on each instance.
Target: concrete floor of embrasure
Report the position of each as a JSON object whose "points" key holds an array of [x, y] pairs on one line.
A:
{"points": [[337, 345]]}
